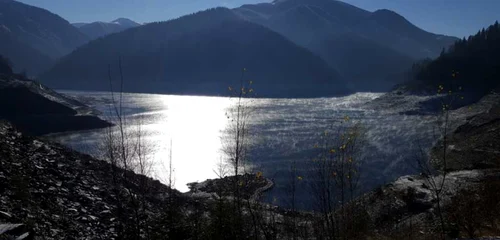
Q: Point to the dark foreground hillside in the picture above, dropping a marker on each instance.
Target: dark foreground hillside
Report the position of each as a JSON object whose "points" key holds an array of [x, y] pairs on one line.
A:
{"points": [[59, 193]]}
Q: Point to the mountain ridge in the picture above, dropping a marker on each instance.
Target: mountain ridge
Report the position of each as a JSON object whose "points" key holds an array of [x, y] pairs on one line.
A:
{"points": [[45, 35], [321, 25], [99, 29], [37, 21], [360, 46], [202, 54]]}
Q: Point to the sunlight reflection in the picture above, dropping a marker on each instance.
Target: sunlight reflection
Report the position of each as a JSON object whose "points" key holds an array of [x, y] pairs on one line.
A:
{"points": [[281, 130], [194, 126]]}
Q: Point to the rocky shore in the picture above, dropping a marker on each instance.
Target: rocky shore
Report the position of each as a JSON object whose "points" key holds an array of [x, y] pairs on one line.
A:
{"points": [[252, 186], [408, 206], [59, 193]]}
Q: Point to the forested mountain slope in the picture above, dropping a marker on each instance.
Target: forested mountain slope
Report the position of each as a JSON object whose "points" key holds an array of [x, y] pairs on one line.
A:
{"points": [[202, 53], [365, 47], [31, 32], [470, 66]]}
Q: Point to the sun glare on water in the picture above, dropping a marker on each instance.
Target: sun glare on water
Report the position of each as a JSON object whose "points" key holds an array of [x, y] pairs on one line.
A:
{"points": [[190, 131], [186, 129]]}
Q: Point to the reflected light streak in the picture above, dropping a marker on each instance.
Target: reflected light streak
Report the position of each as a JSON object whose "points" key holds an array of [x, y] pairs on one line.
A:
{"points": [[194, 126]]}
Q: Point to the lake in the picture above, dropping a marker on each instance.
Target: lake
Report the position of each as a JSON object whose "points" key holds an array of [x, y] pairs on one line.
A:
{"points": [[192, 129]]}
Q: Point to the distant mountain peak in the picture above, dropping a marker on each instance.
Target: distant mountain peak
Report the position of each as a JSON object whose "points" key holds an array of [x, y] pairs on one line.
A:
{"points": [[125, 22], [389, 13], [384, 10], [100, 29], [307, 1], [389, 17], [122, 19]]}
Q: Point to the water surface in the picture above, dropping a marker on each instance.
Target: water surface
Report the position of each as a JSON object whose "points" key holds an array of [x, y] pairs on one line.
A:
{"points": [[283, 130]]}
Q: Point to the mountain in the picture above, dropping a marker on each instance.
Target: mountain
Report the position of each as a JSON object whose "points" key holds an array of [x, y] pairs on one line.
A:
{"points": [[469, 66], [125, 22], [389, 28], [466, 73], [24, 58], [99, 29], [28, 31], [202, 53], [365, 47], [77, 25]]}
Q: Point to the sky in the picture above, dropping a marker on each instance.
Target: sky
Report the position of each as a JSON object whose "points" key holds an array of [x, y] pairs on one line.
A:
{"points": [[459, 18]]}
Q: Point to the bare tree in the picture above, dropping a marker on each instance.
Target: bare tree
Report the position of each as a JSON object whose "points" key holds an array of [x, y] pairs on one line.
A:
{"points": [[434, 168], [236, 146], [111, 152], [143, 166], [294, 178], [335, 177], [127, 152]]}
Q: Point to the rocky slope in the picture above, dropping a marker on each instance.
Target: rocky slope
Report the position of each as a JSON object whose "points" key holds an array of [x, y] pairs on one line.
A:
{"points": [[38, 110], [408, 205], [406, 101], [251, 189], [59, 193], [409, 202], [475, 144]]}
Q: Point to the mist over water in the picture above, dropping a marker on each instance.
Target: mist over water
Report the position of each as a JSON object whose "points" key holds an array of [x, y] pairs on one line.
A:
{"points": [[283, 130]]}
